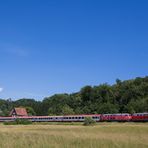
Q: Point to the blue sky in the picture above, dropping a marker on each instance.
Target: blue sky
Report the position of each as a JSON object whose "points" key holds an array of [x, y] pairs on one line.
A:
{"points": [[54, 46]]}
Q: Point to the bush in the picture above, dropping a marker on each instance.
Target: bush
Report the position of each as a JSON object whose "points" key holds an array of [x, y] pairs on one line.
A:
{"points": [[89, 121], [23, 121], [18, 121], [9, 123]]}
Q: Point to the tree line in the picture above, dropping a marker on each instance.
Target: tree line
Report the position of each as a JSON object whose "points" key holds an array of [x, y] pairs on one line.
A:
{"points": [[129, 96]]}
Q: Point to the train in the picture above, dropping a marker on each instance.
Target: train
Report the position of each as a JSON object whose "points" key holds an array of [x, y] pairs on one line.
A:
{"points": [[137, 117]]}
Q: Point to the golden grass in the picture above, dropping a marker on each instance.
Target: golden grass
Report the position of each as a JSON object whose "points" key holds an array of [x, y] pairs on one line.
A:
{"points": [[103, 135]]}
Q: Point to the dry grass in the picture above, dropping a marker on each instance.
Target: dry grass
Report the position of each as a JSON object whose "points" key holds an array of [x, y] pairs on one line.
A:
{"points": [[103, 135]]}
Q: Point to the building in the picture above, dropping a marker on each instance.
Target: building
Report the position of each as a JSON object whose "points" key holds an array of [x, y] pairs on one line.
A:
{"points": [[18, 111]]}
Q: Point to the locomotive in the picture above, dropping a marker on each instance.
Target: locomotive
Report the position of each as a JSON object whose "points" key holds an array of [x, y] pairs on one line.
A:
{"points": [[137, 117]]}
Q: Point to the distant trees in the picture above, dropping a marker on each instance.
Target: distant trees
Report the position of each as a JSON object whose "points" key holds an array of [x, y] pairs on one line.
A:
{"points": [[5, 107], [107, 108], [67, 110], [140, 105], [30, 111], [124, 96], [55, 105]]}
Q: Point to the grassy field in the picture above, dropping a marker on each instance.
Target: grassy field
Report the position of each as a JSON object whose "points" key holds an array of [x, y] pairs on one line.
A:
{"points": [[103, 135]]}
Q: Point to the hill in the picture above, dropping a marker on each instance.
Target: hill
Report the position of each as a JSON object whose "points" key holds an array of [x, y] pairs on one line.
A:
{"points": [[128, 96]]}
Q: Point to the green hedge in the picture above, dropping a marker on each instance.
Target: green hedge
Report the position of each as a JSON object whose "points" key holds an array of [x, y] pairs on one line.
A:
{"points": [[18, 121]]}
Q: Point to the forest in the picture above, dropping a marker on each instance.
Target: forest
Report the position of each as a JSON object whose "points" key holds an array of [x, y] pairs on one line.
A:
{"points": [[128, 96]]}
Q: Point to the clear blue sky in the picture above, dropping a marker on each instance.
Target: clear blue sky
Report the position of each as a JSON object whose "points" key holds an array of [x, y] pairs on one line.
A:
{"points": [[57, 46]]}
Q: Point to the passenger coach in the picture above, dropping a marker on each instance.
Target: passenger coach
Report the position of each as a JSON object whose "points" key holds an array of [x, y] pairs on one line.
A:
{"points": [[81, 118]]}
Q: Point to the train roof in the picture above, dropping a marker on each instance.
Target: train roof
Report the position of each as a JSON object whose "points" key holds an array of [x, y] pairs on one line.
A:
{"points": [[146, 113], [83, 115], [116, 114]]}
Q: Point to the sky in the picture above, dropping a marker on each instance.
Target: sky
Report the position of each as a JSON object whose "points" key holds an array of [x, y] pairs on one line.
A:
{"points": [[54, 46]]}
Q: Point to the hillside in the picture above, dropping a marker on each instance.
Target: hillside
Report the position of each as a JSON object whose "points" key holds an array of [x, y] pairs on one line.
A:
{"points": [[124, 96]]}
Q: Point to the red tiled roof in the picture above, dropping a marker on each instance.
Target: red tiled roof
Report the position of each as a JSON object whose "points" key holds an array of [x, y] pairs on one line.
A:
{"points": [[19, 111]]}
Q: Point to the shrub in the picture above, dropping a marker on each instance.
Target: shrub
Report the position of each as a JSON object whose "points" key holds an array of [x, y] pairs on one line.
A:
{"points": [[23, 121], [89, 121], [18, 121], [9, 123]]}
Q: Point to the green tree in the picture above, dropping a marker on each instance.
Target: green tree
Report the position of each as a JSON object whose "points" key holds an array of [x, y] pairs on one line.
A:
{"points": [[107, 108], [66, 110], [30, 111]]}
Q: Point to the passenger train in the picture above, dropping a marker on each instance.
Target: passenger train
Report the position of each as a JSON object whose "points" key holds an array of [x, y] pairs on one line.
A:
{"points": [[137, 117]]}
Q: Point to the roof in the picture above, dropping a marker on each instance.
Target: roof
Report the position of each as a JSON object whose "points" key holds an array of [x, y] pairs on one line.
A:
{"points": [[83, 115], [19, 111]]}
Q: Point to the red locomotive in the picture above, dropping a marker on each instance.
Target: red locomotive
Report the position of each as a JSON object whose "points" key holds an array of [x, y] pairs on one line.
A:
{"points": [[116, 117], [140, 117]]}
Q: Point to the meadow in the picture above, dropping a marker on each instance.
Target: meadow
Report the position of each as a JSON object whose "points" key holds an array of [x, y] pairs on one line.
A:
{"points": [[102, 135]]}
